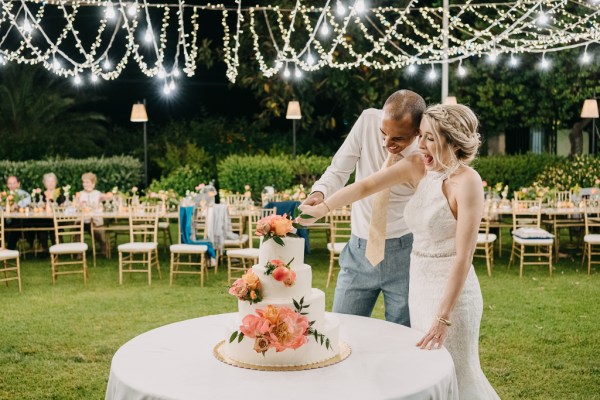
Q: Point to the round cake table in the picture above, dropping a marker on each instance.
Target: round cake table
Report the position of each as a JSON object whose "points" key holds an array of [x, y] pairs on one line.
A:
{"points": [[176, 361]]}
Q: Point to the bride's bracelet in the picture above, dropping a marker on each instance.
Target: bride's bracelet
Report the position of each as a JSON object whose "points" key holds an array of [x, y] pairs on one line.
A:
{"points": [[444, 321], [328, 209]]}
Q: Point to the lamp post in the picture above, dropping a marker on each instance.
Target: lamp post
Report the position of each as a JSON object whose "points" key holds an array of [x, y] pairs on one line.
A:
{"points": [[138, 114], [590, 110], [293, 113], [450, 101]]}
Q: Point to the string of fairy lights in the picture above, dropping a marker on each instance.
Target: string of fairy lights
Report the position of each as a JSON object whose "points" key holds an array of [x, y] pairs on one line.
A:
{"points": [[339, 34]]}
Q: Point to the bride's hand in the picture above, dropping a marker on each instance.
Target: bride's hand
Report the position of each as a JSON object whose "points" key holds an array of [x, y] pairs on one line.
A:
{"points": [[311, 214], [435, 336]]}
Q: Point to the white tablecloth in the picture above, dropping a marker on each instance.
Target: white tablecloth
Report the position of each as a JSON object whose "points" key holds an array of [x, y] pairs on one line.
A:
{"points": [[176, 362]]}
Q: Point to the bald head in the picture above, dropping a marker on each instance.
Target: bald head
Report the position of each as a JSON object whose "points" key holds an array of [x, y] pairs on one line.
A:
{"points": [[405, 103]]}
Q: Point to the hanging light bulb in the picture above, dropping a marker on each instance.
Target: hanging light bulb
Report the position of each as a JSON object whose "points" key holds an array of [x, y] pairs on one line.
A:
{"points": [[110, 11], [412, 69], [297, 73], [172, 85], [586, 58], [132, 9], [432, 75], [359, 6], [77, 80], [27, 28], [2, 59], [493, 56], [148, 36], [166, 88], [340, 9], [325, 29], [286, 72], [175, 72], [542, 18], [545, 63], [94, 78], [106, 64], [162, 73], [514, 61], [310, 59], [462, 71], [56, 65]]}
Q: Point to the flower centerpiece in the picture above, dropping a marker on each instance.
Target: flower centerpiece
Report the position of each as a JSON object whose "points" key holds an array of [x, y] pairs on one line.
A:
{"points": [[280, 328], [247, 288], [276, 227], [281, 272]]}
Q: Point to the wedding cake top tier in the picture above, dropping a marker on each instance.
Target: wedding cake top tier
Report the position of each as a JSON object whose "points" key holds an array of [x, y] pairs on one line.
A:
{"points": [[292, 250]]}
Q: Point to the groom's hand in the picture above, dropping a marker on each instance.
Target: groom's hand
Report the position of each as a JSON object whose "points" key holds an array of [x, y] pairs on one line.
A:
{"points": [[314, 199]]}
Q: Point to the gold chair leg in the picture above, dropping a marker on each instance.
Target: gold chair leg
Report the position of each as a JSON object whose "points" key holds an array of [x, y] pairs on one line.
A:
{"points": [[550, 259], [120, 268], [512, 254], [522, 255], [487, 259], [171, 268], [589, 258], [330, 272], [85, 270], [158, 264], [19, 273]]}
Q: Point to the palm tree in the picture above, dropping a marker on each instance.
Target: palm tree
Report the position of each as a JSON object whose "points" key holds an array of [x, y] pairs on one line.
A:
{"points": [[41, 116]]}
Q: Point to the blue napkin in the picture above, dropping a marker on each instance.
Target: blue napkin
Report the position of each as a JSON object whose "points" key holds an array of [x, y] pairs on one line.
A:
{"points": [[186, 219]]}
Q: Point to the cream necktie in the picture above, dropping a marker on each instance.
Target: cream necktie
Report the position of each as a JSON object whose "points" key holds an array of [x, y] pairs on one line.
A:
{"points": [[377, 230]]}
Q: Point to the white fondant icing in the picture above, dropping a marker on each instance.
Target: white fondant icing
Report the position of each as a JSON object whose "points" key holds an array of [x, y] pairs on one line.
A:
{"points": [[276, 289], [293, 249]]}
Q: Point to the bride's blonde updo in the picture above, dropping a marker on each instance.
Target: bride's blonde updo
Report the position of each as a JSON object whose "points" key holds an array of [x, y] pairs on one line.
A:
{"points": [[458, 125]]}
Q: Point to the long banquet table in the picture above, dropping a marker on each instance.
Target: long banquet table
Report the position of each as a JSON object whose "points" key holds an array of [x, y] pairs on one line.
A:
{"points": [[176, 362]]}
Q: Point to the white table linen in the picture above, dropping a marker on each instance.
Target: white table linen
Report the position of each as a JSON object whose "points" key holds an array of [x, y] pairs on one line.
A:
{"points": [[176, 362]]}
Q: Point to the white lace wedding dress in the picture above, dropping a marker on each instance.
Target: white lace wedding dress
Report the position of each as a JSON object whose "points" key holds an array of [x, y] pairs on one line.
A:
{"points": [[433, 226]]}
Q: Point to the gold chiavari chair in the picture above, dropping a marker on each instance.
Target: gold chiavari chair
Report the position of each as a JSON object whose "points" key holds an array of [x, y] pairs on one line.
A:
{"points": [[527, 232], [196, 257], [591, 239], [142, 248], [485, 244], [68, 231], [339, 221], [240, 260], [10, 270]]}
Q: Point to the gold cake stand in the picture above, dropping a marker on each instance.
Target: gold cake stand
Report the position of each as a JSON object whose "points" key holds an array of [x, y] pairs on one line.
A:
{"points": [[345, 352]]}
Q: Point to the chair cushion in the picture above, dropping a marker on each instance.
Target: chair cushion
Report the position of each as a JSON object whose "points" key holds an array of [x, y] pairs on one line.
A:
{"points": [[188, 248], [532, 233], [491, 237], [67, 248], [163, 225], [6, 254], [242, 253], [137, 247], [337, 247], [233, 242], [593, 238], [533, 242]]}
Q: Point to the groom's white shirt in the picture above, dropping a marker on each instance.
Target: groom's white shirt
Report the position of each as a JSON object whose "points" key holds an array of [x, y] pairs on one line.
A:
{"points": [[364, 151]]}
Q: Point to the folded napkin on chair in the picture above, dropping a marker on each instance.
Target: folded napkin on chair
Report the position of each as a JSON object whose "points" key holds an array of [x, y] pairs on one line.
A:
{"points": [[186, 218]]}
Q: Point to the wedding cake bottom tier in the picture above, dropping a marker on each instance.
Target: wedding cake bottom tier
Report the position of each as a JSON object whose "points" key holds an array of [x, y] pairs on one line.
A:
{"points": [[310, 353]]}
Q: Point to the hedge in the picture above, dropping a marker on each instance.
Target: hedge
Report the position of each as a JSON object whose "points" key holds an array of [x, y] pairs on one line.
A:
{"points": [[182, 179], [122, 171]]}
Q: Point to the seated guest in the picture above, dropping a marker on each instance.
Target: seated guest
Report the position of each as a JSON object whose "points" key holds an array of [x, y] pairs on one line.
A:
{"points": [[50, 194], [13, 185], [91, 198]]}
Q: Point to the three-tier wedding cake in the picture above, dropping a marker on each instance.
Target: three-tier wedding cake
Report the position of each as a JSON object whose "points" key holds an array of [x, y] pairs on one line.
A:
{"points": [[281, 320]]}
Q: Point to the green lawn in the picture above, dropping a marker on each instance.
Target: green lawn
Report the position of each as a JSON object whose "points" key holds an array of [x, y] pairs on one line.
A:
{"points": [[540, 336]]}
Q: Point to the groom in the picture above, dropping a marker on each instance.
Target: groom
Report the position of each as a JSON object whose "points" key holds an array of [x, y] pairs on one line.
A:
{"points": [[376, 136]]}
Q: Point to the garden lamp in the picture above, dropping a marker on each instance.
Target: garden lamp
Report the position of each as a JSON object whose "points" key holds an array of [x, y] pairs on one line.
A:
{"points": [[590, 110], [293, 113], [138, 114]]}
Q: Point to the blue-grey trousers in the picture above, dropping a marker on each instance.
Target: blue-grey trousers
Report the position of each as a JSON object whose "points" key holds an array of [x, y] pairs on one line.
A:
{"points": [[359, 283]]}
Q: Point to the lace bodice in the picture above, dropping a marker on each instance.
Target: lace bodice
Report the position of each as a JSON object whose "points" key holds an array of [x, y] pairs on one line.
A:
{"points": [[430, 219]]}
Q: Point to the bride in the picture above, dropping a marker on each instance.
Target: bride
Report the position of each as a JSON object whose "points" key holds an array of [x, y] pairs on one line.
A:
{"points": [[444, 215]]}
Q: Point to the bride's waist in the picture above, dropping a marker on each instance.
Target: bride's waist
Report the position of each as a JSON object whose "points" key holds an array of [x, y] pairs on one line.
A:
{"points": [[433, 254]]}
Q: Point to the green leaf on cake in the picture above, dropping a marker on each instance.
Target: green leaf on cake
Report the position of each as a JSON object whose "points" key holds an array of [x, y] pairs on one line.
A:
{"points": [[327, 344], [298, 307], [278, 240], [233, 336], [240, 337]]}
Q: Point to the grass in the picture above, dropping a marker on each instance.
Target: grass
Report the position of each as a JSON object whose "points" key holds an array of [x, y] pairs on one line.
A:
{"points": [[540, 336]]}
